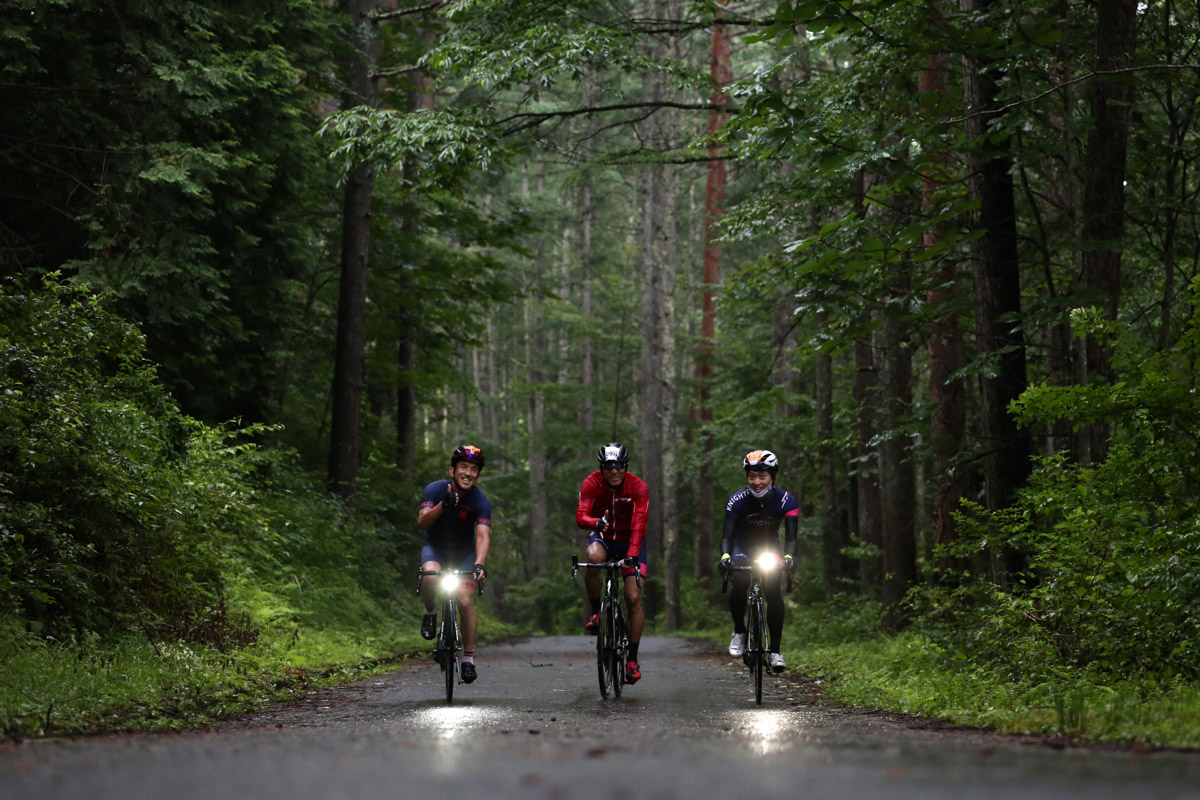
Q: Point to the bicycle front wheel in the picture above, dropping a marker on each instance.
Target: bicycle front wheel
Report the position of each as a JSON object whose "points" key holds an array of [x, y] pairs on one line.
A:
{"points": [[618, 651], [604, 648], [755, 649], [448, 645]]}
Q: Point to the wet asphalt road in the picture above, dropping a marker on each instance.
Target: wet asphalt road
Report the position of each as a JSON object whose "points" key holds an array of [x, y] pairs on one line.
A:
{"points": [[534, 726]]}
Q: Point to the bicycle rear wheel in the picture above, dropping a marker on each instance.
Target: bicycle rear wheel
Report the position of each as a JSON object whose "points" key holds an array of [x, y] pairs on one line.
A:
{"points": [[604, 648], [448, 645], [754, 648]]}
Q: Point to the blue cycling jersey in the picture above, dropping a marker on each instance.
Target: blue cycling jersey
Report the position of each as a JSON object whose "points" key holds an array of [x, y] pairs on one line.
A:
{"points": [[454, 532], [756, 519]]}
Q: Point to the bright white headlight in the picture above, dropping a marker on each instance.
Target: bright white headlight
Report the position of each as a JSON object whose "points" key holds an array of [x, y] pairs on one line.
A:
{"points": [[449, 582], [768, 561]]}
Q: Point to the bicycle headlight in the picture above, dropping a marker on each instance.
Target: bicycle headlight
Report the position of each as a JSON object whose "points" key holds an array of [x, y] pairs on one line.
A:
{"points": [[768, 561], [448, 583]]}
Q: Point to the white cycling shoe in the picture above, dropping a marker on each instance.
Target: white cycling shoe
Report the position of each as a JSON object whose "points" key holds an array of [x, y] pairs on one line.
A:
{"points": [[737, 645], [776, 662]]}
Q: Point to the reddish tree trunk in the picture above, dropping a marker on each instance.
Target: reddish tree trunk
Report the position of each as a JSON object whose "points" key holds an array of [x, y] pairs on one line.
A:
{"points": [[947, 395]]}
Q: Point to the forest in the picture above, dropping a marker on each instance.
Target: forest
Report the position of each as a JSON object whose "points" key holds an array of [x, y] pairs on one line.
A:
{"points": [[266, 264]]}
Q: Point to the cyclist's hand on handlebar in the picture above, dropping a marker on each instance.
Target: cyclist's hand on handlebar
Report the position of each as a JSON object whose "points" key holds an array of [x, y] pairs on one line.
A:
{"points": [[480, 573], [789, 564], [450, 501], [725, 563], [629, 562]]}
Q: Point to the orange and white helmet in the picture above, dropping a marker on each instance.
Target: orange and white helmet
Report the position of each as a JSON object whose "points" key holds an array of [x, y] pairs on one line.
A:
{"points": [[761, 461]]}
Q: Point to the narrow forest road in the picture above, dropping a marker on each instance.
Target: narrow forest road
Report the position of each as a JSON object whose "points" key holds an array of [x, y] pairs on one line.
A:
{"points": [[534, 726]]}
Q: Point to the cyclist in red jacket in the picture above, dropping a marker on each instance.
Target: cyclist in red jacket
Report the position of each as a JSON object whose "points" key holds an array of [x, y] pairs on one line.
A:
{"points": [[614, 505]]}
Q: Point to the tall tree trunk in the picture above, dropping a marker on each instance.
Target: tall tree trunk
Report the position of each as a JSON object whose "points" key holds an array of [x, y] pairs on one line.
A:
{"points": [[406, 408], [714, 203], [947, 394], [1104, 193], [831, 539], [419, 97], [491, 384], [587, 215], [535, 357], [867, 400], [1175, 187], [345, 434], [868, 512], [896, 477], [1006, 463], [538, 511], [658, 379], [1061, 352]]}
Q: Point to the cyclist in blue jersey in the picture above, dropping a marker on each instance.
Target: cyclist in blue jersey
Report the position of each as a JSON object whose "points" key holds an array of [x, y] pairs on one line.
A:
{"points": [[456, 517], [752, 517]]}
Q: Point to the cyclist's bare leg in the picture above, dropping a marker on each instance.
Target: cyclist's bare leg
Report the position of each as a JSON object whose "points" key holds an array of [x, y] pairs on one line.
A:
{"points": [[592, 578], [470, 619], [633, 608], [429, 585]]}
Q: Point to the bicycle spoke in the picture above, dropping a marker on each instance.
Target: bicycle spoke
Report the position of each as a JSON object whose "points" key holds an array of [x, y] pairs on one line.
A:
{"points": [[450, 651], [618, 650], [603, 645]]}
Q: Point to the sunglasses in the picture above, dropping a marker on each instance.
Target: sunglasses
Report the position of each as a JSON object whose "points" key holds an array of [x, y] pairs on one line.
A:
{"points": [[612, 465]]}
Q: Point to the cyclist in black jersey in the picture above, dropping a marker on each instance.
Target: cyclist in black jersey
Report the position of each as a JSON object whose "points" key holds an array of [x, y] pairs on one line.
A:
{"points": [[752, 517]]}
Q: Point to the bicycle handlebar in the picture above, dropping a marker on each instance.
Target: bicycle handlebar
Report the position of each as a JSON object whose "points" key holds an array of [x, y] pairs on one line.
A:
{"points": [[750, 568], [432, 573], [604, 565]]}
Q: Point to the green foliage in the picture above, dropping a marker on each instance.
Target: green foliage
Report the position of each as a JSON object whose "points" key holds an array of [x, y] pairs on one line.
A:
{"points": [[444, 142], [117, 511], [1112, 549], [171, 161]]}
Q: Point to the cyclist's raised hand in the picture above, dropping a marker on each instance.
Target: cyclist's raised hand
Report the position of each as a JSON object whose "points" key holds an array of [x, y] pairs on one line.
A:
{"points": [[450, 501], [602, 525]]}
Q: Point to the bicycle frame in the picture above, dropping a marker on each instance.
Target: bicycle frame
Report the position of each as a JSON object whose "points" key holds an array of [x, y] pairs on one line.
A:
{"points": [[449, 638], [612, 643]]}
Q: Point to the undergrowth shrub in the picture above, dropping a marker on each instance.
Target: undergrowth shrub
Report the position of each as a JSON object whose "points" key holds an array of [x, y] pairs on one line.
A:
{"points": [[116, 510], [1112, 586]]}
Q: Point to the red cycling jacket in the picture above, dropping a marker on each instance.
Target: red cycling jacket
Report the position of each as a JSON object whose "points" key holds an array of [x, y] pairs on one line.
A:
{"points": [[627, 509]]}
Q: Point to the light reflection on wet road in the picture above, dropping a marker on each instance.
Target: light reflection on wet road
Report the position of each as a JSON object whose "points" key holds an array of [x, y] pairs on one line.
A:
{"points": [[534, 726]]}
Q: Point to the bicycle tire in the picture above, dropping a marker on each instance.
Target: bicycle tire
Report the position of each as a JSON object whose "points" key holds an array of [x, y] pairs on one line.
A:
{"points": [[755, 646], [618, 650], [604, 646], [449, 644]]}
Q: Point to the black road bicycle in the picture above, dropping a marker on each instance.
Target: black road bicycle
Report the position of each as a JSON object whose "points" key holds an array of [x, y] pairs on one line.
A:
{"points": [[757, 654], [612, 643], [449, 637]]}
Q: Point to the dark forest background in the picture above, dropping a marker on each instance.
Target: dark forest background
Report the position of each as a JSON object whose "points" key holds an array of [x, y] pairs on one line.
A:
{"points": [[265, 264]]}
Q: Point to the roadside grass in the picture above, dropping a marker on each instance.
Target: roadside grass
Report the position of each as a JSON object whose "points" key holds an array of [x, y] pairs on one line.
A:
{"points": [[839, 649], [60, 688], [906, 673]]}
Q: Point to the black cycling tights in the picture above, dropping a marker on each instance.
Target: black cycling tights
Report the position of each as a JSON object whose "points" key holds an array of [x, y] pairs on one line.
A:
{"points": [[772, 591]]}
